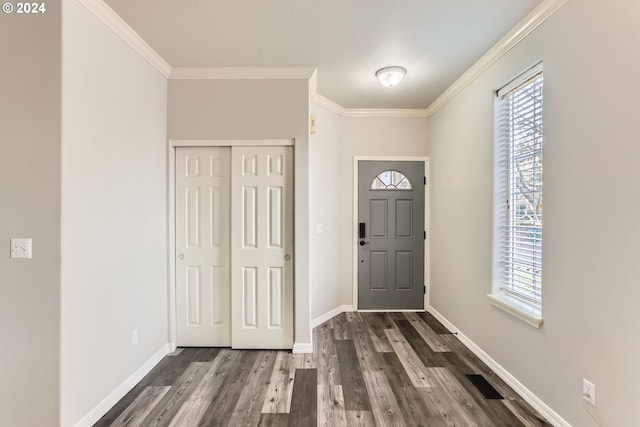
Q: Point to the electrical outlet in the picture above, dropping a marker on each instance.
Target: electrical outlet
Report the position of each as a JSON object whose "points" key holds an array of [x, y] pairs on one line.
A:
{"points": [[134, 338], [589, 391], [20, 248]]}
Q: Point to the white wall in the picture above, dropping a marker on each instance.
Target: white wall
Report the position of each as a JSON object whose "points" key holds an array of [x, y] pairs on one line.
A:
{"points": [[114, 226], [591, 291], [30, 207], [326, 188], [332, 151], [255, 109]]}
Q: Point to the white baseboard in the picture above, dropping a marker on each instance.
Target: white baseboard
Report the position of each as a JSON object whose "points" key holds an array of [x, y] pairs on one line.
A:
{"points": [[545, 410], [306, 347], [118, 393], [302, 347], [328, 315]]}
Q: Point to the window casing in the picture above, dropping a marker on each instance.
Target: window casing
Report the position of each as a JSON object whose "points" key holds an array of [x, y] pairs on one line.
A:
{"points": [[518, 160]]}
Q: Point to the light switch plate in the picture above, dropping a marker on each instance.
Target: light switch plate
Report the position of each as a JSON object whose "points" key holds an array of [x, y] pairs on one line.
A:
{"points": [[20, 248], [312, 124]]}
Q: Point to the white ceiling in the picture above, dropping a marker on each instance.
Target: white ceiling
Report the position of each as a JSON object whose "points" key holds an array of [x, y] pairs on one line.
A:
{"points": [[346, 40]]}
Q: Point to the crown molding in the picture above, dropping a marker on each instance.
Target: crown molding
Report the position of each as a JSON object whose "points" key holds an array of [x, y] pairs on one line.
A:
{"points": [[504, 45], [235, 73], [540, 14], [366, 112], [116, 24], [328, 104]]}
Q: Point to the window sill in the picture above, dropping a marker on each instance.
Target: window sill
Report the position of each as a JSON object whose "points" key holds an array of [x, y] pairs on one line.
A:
{"points": [[516, 308]]}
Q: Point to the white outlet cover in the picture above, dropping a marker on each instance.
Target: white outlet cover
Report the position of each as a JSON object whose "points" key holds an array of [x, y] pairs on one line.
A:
{"points": [[589, 391], [20, 248]]}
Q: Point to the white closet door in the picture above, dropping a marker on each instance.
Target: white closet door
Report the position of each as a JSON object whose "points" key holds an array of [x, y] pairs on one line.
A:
{"points": [[262, 247], [203, 246]]}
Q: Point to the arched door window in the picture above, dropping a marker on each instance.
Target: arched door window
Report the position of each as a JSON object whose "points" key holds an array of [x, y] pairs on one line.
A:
{"points": [[391, 180]]}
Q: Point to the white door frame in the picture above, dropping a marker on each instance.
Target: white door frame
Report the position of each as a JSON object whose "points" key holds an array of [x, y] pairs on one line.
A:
{"points": [[354, 229], [171, 206]]}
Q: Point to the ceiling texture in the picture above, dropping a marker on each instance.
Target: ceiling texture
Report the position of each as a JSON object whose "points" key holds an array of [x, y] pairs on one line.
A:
{"points": [[345, 40]]}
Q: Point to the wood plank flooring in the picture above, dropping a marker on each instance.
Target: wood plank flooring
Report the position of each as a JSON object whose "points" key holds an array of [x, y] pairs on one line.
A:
{"points": [[367, 369]]}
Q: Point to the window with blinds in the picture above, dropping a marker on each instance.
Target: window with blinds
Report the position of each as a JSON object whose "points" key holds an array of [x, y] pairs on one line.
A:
{"points": [[518, 192]]}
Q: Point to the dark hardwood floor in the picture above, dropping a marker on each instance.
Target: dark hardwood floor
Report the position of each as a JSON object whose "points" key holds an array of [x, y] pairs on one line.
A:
{"points": [[367, 369]]}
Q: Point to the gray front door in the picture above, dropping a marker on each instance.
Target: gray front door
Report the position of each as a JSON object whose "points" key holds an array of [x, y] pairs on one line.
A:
{"points": [[390, 235]]}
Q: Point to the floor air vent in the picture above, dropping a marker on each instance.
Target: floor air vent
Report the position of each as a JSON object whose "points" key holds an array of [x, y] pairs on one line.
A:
{"points": [[485, 388]]}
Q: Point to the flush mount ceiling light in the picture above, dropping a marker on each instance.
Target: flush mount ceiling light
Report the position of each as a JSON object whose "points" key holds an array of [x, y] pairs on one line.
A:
{"points": [[391, 76]]}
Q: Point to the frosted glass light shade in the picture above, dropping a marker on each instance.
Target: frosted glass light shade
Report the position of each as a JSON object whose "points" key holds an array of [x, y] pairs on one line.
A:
{"points": [[391, 76]]}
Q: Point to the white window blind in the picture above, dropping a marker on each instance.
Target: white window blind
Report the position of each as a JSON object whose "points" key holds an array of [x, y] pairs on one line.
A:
{"points": [[518, 190]]}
